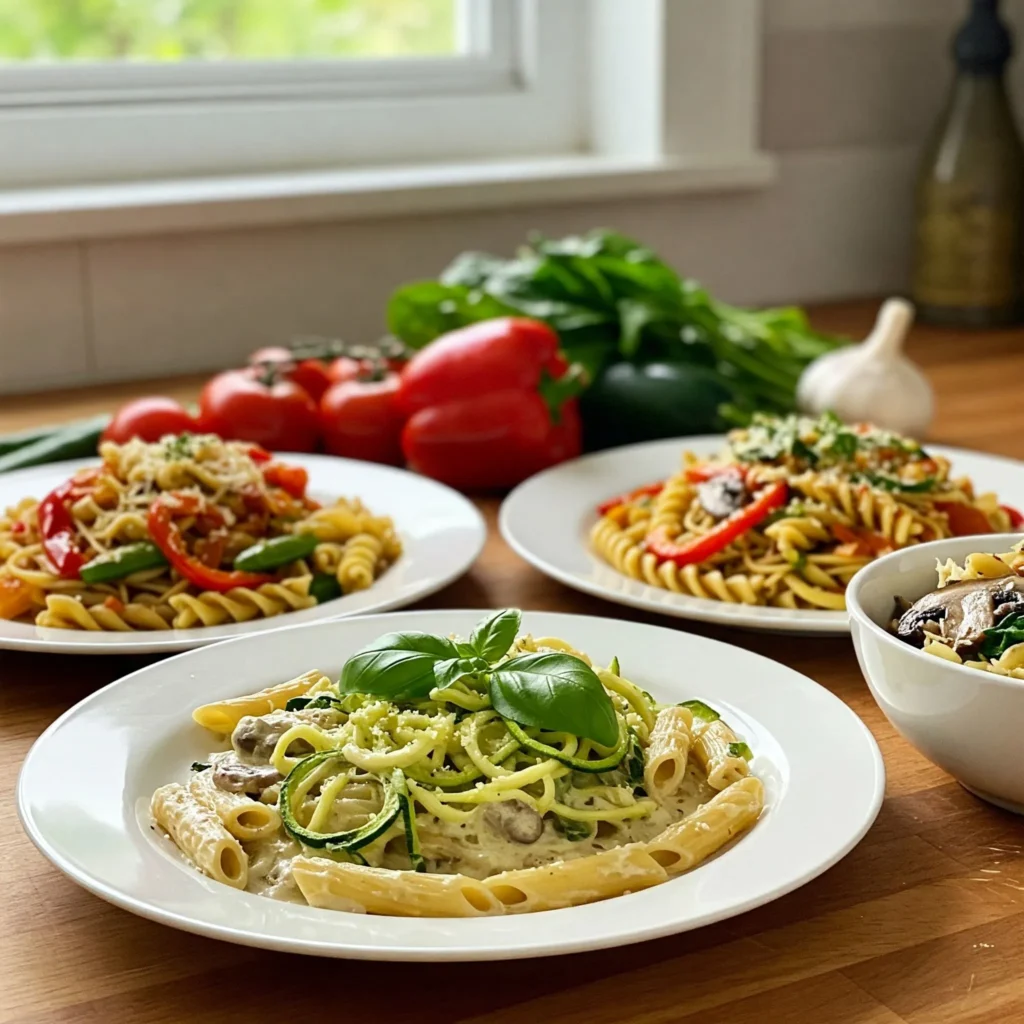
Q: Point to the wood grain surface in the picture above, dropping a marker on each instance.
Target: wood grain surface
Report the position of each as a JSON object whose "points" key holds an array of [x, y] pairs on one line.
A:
{"points": [[923, 923]]}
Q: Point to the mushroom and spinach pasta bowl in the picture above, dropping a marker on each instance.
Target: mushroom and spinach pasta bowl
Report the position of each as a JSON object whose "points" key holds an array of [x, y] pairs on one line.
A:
{"points": [[939, 633], [442, 777], [788, 512], [187, 533]]}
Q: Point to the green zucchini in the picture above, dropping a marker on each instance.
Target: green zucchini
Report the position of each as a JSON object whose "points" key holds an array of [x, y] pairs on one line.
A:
{"points": [[333, 842], [614, 666], [123, 561], [740, 750], [575, 831], [320, 702], [412, 836], [75, 441], [635, 760], [605, 764], [452, 780], [701, 710]]}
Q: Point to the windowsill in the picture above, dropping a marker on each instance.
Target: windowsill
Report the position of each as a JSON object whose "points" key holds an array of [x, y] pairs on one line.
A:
{"points": [[203, 204]]}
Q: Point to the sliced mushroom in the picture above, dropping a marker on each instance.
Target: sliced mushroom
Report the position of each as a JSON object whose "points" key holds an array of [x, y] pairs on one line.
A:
{"points": [[962, 611], [515, 820], [722, 495], [234, 777]]}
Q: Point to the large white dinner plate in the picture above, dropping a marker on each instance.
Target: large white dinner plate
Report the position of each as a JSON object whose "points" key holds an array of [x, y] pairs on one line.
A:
{"points": [[441, 532], [822, 772], [547, 520]]}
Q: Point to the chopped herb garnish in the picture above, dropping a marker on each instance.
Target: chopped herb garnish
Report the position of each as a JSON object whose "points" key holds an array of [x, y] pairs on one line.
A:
{"points": [[200, 766], [885, 482], [179, 447]]}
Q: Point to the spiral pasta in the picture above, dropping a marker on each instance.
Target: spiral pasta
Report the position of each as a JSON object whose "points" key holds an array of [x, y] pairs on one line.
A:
{"points": [[788, 514], [190, 532]]}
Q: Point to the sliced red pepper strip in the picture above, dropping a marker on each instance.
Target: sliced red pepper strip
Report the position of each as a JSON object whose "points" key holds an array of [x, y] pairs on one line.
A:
{"points": [[293, 479], [964, 520], [648, 490], [166, 535], [708, 471], [259, 454], [57, 527], [1016, 519], [723, 534]]}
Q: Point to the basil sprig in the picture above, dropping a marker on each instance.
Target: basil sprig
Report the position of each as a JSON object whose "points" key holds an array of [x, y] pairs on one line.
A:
{"points": [[492, 638], [552, 691], [555, 691], [406, 666]]}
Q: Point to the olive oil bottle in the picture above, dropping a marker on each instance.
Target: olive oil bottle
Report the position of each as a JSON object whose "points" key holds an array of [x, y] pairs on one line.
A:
{"points": [[970, 193]]}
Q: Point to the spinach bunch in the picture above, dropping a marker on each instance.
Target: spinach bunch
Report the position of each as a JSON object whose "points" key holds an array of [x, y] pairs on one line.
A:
{"points": [[611, 299]]}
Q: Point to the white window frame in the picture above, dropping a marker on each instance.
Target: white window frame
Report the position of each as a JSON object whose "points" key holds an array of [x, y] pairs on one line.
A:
{"points": [[512, 92], [572, 100]]}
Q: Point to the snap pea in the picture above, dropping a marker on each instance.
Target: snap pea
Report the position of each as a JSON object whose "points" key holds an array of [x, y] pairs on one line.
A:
{"points": [[269, 554], [121, 562], [324, 587]]}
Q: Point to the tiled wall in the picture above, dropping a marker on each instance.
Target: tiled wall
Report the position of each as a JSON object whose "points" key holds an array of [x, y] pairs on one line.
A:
{"points": [[850, 89]]}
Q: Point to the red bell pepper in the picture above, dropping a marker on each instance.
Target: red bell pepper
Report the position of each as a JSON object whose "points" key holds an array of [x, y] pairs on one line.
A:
{"points": [[489, 405], [698, 549], [166, 535], [1016, 519], [648, 490], [701, 474], [57, 528]]}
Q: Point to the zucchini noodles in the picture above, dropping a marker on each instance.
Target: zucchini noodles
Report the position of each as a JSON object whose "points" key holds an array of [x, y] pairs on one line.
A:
{"points": [[441, 805]]}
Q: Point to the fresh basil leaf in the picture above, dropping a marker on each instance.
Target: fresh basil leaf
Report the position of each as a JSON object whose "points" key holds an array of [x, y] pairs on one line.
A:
{"points": [[492, 638], [447, 673], [1008, 632], [701, 710], [296, 703], [557, 692], [397, 666], [465, 650]]}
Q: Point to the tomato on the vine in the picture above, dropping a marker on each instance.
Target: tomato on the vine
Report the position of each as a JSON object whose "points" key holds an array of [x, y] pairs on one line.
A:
{"points": [[360, 419], [310, 374], [262, 405]]}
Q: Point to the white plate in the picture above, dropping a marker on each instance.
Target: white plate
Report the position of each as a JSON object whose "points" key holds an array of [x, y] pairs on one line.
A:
{"points": [[547, 520], [821, 768], [442, 534]]}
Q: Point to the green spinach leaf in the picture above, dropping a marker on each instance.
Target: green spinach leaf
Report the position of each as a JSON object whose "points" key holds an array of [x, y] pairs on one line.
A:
{"points": [[1004, 635], [557, 692]]}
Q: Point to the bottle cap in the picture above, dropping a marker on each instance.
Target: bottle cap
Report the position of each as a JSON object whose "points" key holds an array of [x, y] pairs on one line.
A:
{"points": [[984, 43]]}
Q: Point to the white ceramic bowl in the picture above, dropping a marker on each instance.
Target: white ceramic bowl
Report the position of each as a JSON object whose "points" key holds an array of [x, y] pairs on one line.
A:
{"points": [[968, 722]]}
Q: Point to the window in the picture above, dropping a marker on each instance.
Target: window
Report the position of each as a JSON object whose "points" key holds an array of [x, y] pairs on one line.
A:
{"points": [[128, 89]]}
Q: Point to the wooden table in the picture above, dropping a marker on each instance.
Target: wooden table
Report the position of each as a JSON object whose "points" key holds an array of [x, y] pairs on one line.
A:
{"points": [[923, 922]]}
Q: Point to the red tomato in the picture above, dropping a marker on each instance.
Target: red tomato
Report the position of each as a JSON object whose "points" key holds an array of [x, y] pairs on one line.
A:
{"points": [[310, 374], [293, 479], [346, 368], [964, 520], [149, 419], [361, 420], [257, 404]]}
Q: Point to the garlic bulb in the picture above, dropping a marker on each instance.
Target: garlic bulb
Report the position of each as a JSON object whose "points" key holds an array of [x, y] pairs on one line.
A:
{"points": [[872, 382]]}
